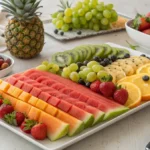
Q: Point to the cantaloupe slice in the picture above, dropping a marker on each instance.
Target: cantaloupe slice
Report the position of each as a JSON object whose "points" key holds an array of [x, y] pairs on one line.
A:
{"points": [[41, 104], [16, 92], [55, 128], [0, 81], [51, 110], [33, 100], [24, 96], [11, 90], [34, 113], [4, 86], [22, 107]]}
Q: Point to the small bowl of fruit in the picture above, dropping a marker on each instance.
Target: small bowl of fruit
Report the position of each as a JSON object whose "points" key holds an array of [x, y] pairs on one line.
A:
{"points": [[6, 64], [139, 30]]}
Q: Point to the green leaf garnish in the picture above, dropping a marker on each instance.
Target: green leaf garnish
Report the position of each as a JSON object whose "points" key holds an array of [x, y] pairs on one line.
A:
{"points": [[132, 46]]}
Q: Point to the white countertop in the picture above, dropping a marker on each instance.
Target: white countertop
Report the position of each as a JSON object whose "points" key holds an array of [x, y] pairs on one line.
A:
{"points": [[132, 133]]}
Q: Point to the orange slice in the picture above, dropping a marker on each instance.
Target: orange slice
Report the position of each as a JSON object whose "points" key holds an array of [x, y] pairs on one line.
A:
{"points": [[134, 94], [144, 69]]}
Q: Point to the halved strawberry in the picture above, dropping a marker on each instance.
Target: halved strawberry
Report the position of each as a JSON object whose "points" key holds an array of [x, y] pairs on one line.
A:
{"points": [[147, 31]]}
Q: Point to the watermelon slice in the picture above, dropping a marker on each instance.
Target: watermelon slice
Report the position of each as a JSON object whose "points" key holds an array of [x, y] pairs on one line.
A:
{"points": [[112, 108], [19, 84]]}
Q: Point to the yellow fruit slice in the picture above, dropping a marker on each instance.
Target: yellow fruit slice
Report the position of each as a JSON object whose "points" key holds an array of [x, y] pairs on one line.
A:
{"points": [[134, 94], [143, 69]]}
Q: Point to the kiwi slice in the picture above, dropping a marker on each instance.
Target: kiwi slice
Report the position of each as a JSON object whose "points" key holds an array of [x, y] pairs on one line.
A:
{"points": [[74, 55], [93, 49], [122, 52], [88, 52], [80, 52], [107, 50], [62, 59], [114, 51], [100, 52]]}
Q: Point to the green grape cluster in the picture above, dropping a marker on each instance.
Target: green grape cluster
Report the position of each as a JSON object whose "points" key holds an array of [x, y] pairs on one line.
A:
{"points": [[86, 14], [49, 67]]}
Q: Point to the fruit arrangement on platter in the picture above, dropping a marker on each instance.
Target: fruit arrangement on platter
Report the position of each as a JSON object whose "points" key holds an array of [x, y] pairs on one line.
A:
{"points": [[142, 23], [86, 14], [4, 63], [24, 34]]}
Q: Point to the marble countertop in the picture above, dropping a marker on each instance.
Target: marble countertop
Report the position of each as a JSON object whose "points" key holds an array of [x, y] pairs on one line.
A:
{"points": [[131, 133]]}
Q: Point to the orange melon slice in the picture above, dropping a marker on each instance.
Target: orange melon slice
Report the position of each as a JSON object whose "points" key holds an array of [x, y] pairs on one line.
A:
{"points": [[16, 92], [11, 90], [34, 113], [55, 128], [24, 96], [51, 110], [4, 86], [41, 104], [33, 100]]}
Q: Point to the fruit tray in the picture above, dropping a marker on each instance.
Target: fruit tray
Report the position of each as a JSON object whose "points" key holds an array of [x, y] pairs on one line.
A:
{"points": [[67, 141], [49, 30]]}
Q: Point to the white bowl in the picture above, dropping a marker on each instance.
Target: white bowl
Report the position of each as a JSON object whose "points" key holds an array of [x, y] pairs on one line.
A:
{"points": [[7, 70], [142, 39]]}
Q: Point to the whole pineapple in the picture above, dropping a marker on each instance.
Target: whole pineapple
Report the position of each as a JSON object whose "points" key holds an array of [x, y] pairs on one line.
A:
{"points": [[24, 33]]}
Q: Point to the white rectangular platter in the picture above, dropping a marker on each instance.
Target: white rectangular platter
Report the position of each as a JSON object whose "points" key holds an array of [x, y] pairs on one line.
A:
{"points": [[67, 141], [70, 35]]}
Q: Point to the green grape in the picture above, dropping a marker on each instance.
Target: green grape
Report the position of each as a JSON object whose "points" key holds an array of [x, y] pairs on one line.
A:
{"points": [[78, 5], [60, 15], [103, 27], [59, 24], [77, 26], [83, 20], [82, 67], [68, 12], [100, 7], [82, 75], [96, 27], [52, 71], [104, 21], [66, 71], [55, 67], [45, 63], [50, 65], [67, 19], [86, 26], [97, 68], [73, 67], [103, 75], [85, 8], [114, 16], [91, 5], [94, 12], [99, 16], [87, 70], [74, 76], [65, 27], [65, 75], [54, 15], [88, 16], [81, 12], [91, 77], [91, 25], [94, 20], [54, 21], [109, 6], [75, 20], [92, 63], [75, 14], [94, 2], [41, 67], [86, 1], [107, 14]]}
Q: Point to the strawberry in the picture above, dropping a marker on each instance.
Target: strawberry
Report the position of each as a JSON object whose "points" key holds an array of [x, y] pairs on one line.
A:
{"points": [[148, 14], [14, 118], [6, 108], [1, 101], [121, 96], [27, 125], [95, 86], [147, 31], [107, 88], [39, 131]]}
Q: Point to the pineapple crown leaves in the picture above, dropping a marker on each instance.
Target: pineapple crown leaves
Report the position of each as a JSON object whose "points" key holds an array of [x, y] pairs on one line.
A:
{"points": [[29, 124], [21, 9], [64, 4], [11, 118]]}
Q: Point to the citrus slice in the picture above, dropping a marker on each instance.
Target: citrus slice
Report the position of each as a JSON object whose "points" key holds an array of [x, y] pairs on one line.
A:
{"points": [[134, 94], [143, 69]]}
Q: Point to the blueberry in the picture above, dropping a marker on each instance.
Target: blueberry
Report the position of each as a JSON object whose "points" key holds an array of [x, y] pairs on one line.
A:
{"points": [[85, 62], [126, 55], [100, 59], [55, 31], [113, 58], [79, 64], [79, 32], [70, 29], [145, 78], [143, 55], [87, 84], [81, 82], [103, 63], [107, 61], [61, 33], [96, 58]]}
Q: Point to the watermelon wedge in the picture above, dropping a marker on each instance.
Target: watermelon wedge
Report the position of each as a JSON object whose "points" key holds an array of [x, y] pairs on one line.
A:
{"points": [[111, 108]]}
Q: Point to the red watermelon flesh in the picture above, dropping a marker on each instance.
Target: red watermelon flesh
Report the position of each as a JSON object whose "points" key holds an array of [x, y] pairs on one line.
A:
{"points": [[45, 80], [74, 94], [19, 84], [57, 86], [83, 98], [35, 91], [53, 101], [27, 87], [44, 96], [66, 91], [12, 80], [65, 106]]}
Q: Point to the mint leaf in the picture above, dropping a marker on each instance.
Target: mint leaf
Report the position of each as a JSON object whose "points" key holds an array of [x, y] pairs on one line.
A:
{"points": [[132, 46]]}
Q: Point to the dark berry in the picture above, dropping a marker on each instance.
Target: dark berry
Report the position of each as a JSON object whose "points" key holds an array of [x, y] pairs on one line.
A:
{"points": [[106, 60], [103, 63], [81, 82], [87, 84], [148, 57], [126, 55], [113, 58], [96, 58], [61, 33], [55, 31], [79, 32], [70, 29], [100, 59], [79, 64], [143, 55], [145, 78], [85, 62]]}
